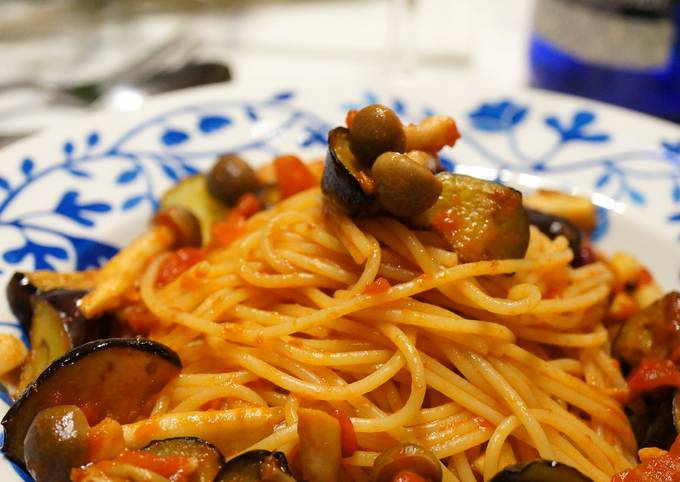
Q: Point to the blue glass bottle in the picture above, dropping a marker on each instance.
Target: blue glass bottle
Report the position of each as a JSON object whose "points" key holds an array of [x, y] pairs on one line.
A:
{"points": [[626, 52]]}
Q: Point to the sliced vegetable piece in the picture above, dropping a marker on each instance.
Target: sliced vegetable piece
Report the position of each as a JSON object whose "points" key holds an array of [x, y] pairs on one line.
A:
{"points": [[210, 459], [58, 326], [231, 431], [655, 419], [49, 341], [256, 466], [320, 445], [78, 328], [406, 457], [479, 219], [403, 186], [553, 226], [192, 193], [22, 286], [540, 470], [115, 378], [577, 209], [344, 180], [653, 332], [56, 441], [375, 129]]}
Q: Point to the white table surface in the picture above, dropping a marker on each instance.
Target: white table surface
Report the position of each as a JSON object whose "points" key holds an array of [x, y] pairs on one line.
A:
{"points": [[485, 39]]}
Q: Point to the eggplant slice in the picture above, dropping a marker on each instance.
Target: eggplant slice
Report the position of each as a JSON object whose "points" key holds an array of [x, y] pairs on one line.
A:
{"points": [[653, 332], [22, 286], [116, 378], [209, 457], [655, 418], [540, 471], [344, 180], [553, 226], [256, 466], [57, 326]]}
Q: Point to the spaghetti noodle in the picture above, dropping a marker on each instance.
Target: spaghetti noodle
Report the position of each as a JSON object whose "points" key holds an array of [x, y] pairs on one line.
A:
{"points": [[465, 359]]}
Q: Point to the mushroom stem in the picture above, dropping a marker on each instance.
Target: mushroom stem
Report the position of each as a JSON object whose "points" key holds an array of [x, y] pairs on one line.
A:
{"points": [[120, 273]]}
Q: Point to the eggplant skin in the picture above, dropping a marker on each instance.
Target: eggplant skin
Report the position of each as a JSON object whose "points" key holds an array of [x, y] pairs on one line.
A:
{"points": [[247, 467], [653, 418], [653, 332], [19, 292], [22, 287], [118, 377], [210, 458], [540, 471], [553, 226], [57, 325], [78, 328], [339, 182]]}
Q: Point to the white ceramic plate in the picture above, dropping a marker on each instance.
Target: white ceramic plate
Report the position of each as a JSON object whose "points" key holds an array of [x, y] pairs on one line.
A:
{"points": [[71, 197]]}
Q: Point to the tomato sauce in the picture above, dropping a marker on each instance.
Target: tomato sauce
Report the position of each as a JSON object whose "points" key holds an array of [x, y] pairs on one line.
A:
{"points": [[348, 437], [172, 267], [377, 287], [653, 373], [233, 226]]}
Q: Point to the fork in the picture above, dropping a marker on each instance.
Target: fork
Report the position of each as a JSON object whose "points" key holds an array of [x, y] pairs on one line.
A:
{"points": [[176, 48]]}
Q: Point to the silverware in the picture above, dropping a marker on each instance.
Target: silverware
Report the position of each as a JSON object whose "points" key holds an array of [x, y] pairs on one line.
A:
{"points": [[189, 75], [130, 96], [173, 51]]}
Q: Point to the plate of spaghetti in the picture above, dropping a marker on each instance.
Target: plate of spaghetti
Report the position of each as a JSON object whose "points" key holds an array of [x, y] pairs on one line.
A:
{"points": [[364, 286]]}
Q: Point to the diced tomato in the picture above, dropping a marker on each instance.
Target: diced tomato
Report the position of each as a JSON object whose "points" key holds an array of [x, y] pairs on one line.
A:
{"points": [[408, 476], [675, 448], [174, 467], [225, 232], [349, 118], [172, 267], [105, 440], [665, 468], [348, 437], [138, 317], [377, 287], [248, 204], [653, 373], [292, 176]]}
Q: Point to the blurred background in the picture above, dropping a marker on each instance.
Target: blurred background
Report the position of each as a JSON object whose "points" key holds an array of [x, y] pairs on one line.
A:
{"points": [[61, 58]]}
